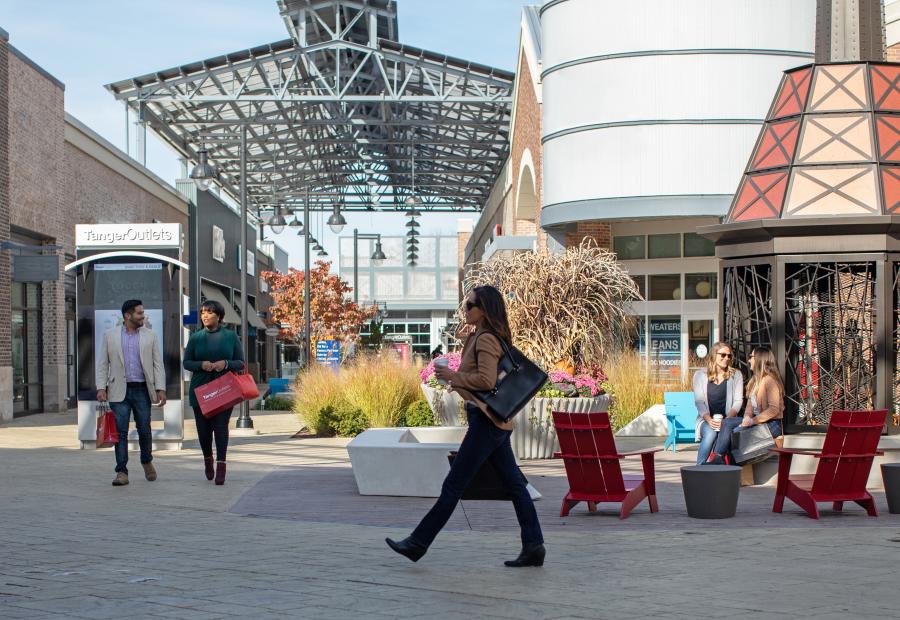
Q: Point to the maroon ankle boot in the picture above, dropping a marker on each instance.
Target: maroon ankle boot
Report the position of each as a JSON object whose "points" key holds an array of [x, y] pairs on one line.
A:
{"points": [[220, 472], [208, 467]]}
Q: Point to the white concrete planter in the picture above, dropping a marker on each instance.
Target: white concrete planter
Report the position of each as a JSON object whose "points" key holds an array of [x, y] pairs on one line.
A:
{"points": [[447, 406], [534, 436]]}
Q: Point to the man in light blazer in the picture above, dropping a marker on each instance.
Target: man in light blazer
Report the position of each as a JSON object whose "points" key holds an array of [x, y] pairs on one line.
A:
{"points": [[130, 375]]}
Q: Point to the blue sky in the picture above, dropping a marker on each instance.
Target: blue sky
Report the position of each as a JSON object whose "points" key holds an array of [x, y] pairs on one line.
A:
{"points": [[89, 43]]}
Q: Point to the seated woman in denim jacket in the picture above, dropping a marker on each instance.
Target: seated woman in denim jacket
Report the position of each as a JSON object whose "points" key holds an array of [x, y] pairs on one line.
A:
{"points": [[718, 391], [765, 404]]}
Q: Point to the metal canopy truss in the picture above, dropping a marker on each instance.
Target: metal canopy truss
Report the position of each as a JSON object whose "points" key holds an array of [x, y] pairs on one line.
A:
{"points": [[341, 109]]}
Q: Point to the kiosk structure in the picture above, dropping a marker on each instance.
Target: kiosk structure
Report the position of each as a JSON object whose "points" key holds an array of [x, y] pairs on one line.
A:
{"points": [[116, 262]]}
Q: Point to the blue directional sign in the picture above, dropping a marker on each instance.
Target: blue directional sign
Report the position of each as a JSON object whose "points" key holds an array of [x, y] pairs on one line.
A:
{"points": [[329, 352]]}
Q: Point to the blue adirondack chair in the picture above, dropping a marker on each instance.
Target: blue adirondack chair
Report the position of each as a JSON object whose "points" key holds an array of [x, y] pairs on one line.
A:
{"points": [[681, 413], [278, 385]]}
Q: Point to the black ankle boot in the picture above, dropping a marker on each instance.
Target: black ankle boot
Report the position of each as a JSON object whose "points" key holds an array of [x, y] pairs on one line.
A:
{"points": [[532, 555], [408, 547]]}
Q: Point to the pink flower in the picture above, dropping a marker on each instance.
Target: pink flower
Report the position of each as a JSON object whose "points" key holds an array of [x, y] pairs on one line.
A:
{"points": [[454, 361]]}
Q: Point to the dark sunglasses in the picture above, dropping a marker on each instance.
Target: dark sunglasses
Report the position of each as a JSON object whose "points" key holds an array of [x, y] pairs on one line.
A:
{"points": [[726, 355], [471, 304]]}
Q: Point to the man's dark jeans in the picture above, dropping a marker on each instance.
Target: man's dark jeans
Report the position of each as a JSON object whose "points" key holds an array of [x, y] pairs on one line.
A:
{"points": [[137, 401], [483, 441]]}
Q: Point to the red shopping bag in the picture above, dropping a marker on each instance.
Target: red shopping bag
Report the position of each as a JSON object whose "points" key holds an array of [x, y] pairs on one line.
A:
{"points": [[248, 386], [219, 394], [107, 434]]}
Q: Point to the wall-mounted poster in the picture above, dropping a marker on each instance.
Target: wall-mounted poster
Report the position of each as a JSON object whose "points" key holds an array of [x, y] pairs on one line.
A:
{"points": [[122, 281], [218, 244], [665, 346]]}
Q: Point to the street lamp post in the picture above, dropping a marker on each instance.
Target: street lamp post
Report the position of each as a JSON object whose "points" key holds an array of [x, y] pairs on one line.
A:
{"points": [[244, 420], [204, 174], [377, 258]]}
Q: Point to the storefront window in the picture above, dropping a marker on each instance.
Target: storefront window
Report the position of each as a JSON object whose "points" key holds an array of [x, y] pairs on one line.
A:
{"points": [[695, 245], [641, 283], [699, 343], [664, 246], [665, 287], [665, 347], [700, 286], [27, 347], [630, 247]]}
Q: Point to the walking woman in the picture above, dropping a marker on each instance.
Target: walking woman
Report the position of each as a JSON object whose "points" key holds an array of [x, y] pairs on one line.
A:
{"points": [[210, 353], [765, 404], [718, 394], [487, 438]]}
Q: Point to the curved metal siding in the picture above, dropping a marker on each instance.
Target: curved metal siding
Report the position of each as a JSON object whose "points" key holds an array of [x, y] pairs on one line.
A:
{"points": [[660, 97]]}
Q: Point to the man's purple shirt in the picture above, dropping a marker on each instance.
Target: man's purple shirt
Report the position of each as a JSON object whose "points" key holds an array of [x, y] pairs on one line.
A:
{"points": [[131, 351]]}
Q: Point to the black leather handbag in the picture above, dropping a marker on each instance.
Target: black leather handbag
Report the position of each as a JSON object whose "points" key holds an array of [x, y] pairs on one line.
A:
{"points": [[751, 445], [518, 380]]}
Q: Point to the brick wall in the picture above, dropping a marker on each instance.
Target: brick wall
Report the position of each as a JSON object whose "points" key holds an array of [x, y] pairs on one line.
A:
{"points": [[462, 241], [5, 322], [893, 53], [598, 231], [526, 134], [36, 135], [54, 183]]}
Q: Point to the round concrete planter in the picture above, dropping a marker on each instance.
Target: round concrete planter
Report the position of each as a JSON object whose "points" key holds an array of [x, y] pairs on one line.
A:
{"points": [[447, 406], [534, 436]]}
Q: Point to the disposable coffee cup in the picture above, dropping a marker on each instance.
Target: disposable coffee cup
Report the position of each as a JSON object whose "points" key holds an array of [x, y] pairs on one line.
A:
{"points": [[718, 417], [444, 363]]}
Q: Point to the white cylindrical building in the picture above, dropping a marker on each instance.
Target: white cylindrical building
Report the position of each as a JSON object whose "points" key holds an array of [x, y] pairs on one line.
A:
{"points": [[650, 111]]}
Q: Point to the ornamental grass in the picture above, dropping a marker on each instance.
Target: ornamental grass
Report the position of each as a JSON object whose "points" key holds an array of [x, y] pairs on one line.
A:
{"points": [[380, 387], [633, 389], [375, 390]]}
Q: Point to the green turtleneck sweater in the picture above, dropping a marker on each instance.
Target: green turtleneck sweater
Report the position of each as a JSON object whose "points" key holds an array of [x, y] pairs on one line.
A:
{"points": [[211, 346]]}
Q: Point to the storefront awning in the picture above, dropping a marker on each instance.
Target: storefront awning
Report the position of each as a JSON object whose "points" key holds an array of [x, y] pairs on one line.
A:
{"points": [[212, 293], [252, 317]]}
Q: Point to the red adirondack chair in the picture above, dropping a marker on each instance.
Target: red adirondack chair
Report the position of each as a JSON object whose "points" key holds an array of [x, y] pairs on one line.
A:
{"points": [[844, 463], [592, 465]]}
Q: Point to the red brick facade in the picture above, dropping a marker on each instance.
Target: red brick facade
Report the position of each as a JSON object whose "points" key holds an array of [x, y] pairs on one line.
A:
{"points": [[599, 231], [5, 321], [54, 173], [526, 134], [893, 53]]}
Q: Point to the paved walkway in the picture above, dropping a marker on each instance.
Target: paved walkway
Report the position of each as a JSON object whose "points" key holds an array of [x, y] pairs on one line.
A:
{"points": [[288, 537]]}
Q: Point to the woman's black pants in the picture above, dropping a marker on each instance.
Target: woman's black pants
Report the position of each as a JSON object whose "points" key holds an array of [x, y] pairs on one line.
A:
{"points": [[483, 442], [215, 426]]}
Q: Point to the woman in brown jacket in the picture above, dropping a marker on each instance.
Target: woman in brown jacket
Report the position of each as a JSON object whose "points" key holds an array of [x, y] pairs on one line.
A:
{"points": [[487, 438], [765, 404]]}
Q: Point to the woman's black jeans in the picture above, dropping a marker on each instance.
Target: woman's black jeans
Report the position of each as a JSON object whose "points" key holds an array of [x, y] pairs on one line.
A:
{"points": [[216, 425], [483, 442]]}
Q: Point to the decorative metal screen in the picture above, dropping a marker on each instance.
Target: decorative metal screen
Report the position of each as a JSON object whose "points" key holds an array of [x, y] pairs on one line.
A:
{"points": [[829, 340], [747, 301], [895, 335]]}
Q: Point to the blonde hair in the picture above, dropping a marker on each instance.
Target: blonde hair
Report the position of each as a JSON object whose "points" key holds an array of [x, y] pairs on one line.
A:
{"points": [[764, 365], [711, 370]]}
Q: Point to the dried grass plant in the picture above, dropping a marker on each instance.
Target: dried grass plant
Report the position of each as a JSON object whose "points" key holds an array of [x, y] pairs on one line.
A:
{"points": [[316, 389], [563, 307], [633, 388], [380, 387]]}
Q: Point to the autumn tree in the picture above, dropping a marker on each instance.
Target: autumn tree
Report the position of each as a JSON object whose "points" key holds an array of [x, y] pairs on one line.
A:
{"points": [[334, 315]]}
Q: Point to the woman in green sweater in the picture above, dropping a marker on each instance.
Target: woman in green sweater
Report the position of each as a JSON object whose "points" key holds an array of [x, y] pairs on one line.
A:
{"points": [[210, 353]]}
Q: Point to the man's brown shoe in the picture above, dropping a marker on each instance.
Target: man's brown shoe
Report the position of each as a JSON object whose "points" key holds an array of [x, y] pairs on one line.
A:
{"points": [[149, 471], [121, 479]]}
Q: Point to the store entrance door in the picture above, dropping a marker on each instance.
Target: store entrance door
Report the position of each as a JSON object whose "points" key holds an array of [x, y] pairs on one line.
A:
{"points": [[27, 348]]}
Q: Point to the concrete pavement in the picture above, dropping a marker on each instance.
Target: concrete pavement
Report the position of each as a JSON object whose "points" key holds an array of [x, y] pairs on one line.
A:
{"points": [[287, 537]]}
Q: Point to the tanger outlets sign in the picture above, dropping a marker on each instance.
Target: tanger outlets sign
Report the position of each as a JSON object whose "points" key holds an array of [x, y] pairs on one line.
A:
{"points": [[127, 235]]}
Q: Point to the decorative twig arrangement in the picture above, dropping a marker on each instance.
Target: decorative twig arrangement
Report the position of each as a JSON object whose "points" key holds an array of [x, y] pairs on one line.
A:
{"points": [[568, 307]]}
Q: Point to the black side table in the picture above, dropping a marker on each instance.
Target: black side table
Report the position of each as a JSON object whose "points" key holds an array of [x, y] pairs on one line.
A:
{"points": [[890, 474], [711, 491]]}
